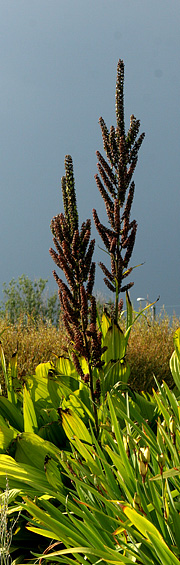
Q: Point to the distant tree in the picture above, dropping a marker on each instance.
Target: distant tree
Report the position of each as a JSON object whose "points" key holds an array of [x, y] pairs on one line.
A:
{"points": [[24, 297]]}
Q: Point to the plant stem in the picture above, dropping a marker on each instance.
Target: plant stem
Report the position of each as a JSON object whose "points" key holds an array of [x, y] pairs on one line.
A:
{"points": [[93, 401]]}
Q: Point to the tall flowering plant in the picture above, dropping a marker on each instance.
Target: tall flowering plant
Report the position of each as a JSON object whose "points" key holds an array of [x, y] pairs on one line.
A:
{"points": [[103, 345], [114, 181]]}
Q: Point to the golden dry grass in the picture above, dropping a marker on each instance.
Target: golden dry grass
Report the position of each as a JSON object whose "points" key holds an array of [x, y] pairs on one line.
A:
{"points": [[36, 343], [149, 350]]}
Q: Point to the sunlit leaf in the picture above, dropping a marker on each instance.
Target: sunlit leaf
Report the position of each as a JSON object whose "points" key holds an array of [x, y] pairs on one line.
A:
{"points": [[73, 425], [175, 369], [11, 413], [141, 523], [115, 343], [166, 556], [6, 436], [30, 420]]}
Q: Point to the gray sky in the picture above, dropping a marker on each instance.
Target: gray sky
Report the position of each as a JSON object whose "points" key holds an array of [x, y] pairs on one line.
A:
{"points": [[58, 73]]}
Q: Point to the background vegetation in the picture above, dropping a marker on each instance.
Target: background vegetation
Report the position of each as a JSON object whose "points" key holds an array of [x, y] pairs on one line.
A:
{"points": [[23, 298], [149, 349]]}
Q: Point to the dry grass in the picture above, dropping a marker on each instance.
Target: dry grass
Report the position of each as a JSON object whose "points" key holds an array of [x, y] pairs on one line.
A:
{"points": [[149, 350], [36, 343]]}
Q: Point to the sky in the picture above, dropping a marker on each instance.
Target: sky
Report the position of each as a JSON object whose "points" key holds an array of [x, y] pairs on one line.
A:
{"points": [[58, 67]]}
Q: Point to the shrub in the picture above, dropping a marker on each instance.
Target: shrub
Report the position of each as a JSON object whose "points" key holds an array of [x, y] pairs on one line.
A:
{"points": [[24, 298]]}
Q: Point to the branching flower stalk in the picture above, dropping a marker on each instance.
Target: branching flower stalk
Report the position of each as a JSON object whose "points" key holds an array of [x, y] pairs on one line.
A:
{"points": [[114, 178], [73, 255], [74, 249]]}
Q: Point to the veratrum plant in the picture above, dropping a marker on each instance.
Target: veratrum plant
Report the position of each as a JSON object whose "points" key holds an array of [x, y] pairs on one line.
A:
{"points": [[74, 257], [98, 348], [113, 181]]}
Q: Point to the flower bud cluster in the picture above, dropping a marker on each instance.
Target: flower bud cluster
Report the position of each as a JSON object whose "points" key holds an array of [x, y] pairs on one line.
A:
{"points": [[73, 255], [113, 181]]}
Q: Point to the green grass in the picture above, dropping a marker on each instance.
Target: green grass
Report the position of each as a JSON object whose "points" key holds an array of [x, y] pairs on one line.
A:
{"points": [[149, 349]]}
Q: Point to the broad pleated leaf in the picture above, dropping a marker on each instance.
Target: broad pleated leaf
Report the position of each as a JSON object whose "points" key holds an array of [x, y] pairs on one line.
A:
{"points": [[105, 324], [6, 436], [23, 476], [32, 450], [116, 371], [115, 343], [30, 420], [11, 413], [65, 367], [74, 426]]}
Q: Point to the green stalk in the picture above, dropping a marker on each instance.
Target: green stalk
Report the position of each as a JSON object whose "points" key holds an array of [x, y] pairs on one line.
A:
{"points": [[116, 302], [90, 380], [93, 401]]}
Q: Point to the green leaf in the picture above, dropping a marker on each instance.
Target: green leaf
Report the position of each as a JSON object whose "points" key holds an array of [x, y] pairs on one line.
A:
{"points": [[147, 408], [129, 311], [175, 369], [43, 532], [3, 363], [166, 556], [115, 343], [115, 371], [53, 474], [119, 440], [167, 474], [141, 523], [43, 369], [12, 374], [176, 339], [161, 407], [63, 528], [23, 476], [11, 413], [74, 426], [123, 476], [107, 556], [86, 454], [172, 399], [30, 420], [65, 367], [32, 450], [105, 324], [6, 436]]}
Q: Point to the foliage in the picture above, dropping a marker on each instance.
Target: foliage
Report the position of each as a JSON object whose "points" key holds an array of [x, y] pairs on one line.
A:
{"points": [[125, 486], [124, 506], [117, 499], [23, 298]]}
